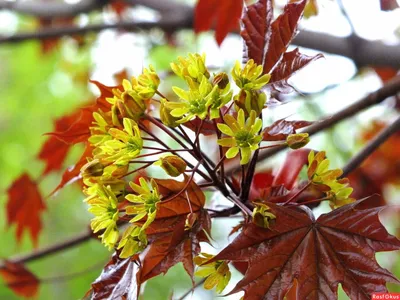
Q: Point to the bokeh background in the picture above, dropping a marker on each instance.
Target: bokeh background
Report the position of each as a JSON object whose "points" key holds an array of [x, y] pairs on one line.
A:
{"points": [[43, 80]]}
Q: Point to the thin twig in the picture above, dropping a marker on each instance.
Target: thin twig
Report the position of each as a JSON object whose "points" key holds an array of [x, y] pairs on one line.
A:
{"points": [[244, 195], [46, 9], [374, 144], [192, 289], [186, 185], [137, 170], [166, 130], [62, 246], [298, 193], [220, 150]]}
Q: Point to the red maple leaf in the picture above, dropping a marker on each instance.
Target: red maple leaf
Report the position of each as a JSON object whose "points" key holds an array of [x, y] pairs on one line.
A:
{"points": [[387, 5], [24, 206], [290, 169], [207, 126], [171, 242], [117, 281], [79, 131], [54, 151], [256, 30], [170, 238], [72, 174], [338, 247], [283, 30], [279, 130], [225, 13], [291, 62], [266, 41], [23, 282], [118, 7]]}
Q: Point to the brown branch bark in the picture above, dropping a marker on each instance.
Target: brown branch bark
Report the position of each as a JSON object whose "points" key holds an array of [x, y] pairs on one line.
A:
{"points": [[52, 9], [374, 144], [175, 16], [48, 33], [76, 240]]}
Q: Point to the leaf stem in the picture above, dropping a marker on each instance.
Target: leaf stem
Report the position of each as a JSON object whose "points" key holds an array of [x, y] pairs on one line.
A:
{"points": [[186, 185], [165, 129], [298, 193], [137, 170]]}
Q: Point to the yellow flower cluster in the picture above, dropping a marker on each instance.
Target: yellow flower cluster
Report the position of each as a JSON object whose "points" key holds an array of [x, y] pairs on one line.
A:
{"points": [[217, 273], [131, 102], [103, 204], [117, 143], [337, 190], [116, 140], [261, 215], [204, 97], [250, 80]]}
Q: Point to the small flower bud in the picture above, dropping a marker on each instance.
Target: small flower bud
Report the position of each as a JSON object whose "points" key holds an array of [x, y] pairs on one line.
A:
{"points": [[298, 140], [165, 115], [92, 168], [261, 215], [250, 100], [221, 79], [173, 165]]}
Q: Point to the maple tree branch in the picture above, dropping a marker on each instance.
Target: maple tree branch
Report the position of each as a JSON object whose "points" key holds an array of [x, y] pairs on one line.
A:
{"points": [[45, 9], [371, 147], [391, 88], [52, 249], [368, 52], [192, 289]]}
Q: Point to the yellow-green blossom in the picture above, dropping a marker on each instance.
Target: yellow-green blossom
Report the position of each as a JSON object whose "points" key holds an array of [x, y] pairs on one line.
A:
{"points": [[103, 204], [318, 169], [262, 216], [249, 100], [217, 273], [133, 240], [144, 203], [99, 132], [250, 77], [131, 102], [243, 135], [337, 190], [222, 94], [340, 196], [147, 83], [297, 140], [94, 173], [124, 146], [193, 102], [165, 114], [192, 69]]}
